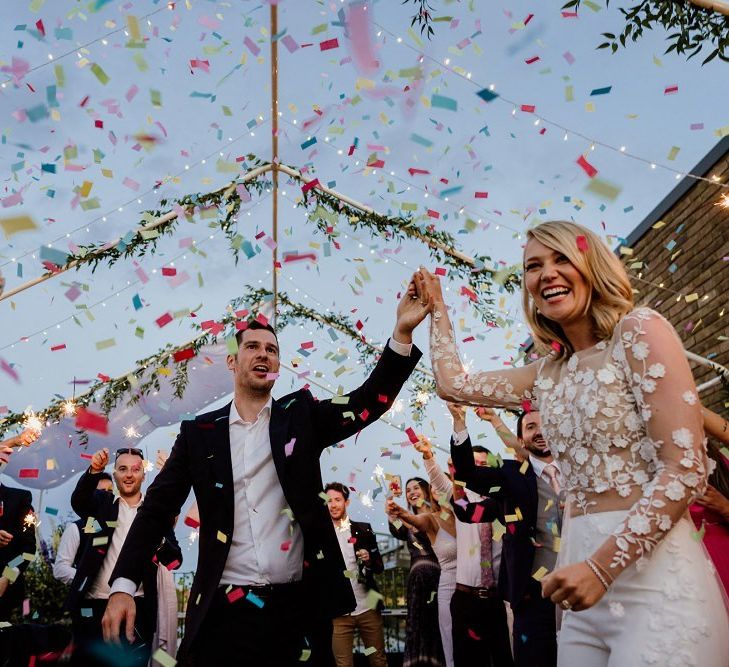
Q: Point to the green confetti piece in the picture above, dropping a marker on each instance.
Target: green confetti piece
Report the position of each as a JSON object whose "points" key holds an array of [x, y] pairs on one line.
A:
{"points": [[100, 74], [156, 98], [421, 140], [603, 188], [60, 76], [673, 153], [443, 102], [106, 343]]}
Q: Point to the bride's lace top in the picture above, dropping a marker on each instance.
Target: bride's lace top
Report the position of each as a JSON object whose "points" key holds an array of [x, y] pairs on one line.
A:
{"points": [[622, 418]]}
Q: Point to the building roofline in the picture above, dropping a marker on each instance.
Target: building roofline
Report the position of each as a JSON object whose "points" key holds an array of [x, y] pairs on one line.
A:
{"points": [[705, 165]]}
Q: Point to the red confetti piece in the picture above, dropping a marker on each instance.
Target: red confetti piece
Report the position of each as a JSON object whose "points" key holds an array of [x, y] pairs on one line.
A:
{"points": [[311, 184], [359, 325], [99, 124], [473, 635], [329, 44], [670, 90], [414, 170], [440, 271], [285, 546], [531, 60], [526, 405], [586, 166], [582, 244], [103, 378], [481, 195], [433, 214], [235, 594], [307, 345], [41, 27], [364, 414], [412, 436], [190, 521], [181, 355], [164, 320], [262, 319], [28, 473], [86, 457], [382, 398], [477, 514], [469, 293], [556, 346], [55, 348], [169, 271], [174, 564], [92, 421], [528, 108]]}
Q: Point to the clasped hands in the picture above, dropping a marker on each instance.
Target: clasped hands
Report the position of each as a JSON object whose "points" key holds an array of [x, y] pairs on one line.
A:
{"points": [[422, 294]]}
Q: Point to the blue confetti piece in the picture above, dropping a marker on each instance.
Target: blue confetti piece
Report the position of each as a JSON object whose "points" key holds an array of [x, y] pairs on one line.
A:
{"points": [[487, 95]]}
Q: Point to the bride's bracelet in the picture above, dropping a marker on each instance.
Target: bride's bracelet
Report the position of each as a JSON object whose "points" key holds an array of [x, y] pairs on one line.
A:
{"points": [[597, 572]]}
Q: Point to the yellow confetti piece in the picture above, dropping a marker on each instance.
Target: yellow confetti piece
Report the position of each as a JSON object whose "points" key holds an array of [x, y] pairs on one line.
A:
{"points": [[133, 28], [11, 573], [98, 541], [85, 188], [511, 518], [163, 658], [106, 343], [589, 107], [100, 74], [673, 153], [222, 537], [692, 297], [497, 530], [557, 544], [524, 466], [17, 224], [540, 573]]}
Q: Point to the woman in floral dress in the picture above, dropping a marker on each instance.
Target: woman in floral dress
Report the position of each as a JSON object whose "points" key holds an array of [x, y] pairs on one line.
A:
{"points": [[620, 412]]}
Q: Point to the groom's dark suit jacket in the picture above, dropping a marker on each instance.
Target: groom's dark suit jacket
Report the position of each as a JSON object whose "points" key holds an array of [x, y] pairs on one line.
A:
{"points": [[201, 459], [515, 489]]}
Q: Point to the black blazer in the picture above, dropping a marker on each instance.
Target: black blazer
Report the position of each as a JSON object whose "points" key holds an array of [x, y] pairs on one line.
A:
{"points": [[16, 505], [515, 489], [201, 459], [104, 509], [364, 538]]}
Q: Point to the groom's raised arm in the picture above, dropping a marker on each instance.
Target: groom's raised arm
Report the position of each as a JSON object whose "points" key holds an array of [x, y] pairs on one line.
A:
{"points": [[338, 418]]}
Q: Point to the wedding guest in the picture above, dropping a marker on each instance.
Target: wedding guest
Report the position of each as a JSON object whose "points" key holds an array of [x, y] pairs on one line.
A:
{"points": [[710, 512], [363, 561], [529, 505], [107, 522], [480, 620], [423, 646], [74, 539], [440, 528], [17, 530], [620, 413]]}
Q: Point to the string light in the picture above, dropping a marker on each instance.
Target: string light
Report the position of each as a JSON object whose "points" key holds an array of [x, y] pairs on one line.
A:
{"points": [[69, 408], [723, 202]]}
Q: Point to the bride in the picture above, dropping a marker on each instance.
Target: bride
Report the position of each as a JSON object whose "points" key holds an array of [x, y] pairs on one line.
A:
{"points": [[620, 412]]}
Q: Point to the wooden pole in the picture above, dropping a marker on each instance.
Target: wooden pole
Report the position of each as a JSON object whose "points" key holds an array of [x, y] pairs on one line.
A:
{"points": [[274, 151]]}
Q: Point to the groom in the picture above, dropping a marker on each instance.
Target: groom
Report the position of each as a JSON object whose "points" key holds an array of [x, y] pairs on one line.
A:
{"points": [[270, 574]]}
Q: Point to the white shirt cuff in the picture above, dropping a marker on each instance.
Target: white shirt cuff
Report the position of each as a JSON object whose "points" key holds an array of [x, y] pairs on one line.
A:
{"points": [[403, 349], [122, 585], [460, 437]]}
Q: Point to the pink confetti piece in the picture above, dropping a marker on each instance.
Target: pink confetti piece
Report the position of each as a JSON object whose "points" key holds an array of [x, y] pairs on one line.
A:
{"points": [[131, 184], [290, 43], [568, 57], [696, 126], [235, 594], [208, 22], [9, 370], [289, 447], [532, 60], [582, 245], [358, 23], [252, 47], [163, 320], [132, 92]]}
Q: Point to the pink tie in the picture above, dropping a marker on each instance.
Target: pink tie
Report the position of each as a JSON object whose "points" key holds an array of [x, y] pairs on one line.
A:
{"points": [[487, 572], [551, 472]]}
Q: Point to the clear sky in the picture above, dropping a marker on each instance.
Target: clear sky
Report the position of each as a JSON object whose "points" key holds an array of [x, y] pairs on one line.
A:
{"points": [[198, 84]]}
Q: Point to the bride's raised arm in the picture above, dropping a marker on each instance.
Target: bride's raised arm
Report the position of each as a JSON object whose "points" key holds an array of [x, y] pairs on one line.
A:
{"points": [[504, 388]]}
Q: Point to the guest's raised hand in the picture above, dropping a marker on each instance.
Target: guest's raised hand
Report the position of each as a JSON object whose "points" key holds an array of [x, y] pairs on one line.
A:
{"points": [[99, 460], [392, 508], [424, 447]]}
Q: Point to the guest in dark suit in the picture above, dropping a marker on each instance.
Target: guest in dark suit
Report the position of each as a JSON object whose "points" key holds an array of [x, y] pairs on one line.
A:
{"points": [[269, 578], [363, 561], [530, 489], [107, 522], [17, 546]]}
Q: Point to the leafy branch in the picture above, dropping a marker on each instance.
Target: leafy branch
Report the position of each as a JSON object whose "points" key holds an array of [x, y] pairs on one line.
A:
{"points": [[423, 16], [691, 26]]}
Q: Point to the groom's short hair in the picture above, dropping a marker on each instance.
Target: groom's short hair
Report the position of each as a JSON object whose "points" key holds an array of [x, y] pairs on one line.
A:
{"points": [[253, 325]]}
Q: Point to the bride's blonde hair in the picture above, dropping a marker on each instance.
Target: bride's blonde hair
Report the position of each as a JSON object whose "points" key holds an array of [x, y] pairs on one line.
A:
{"points": [[610, 295]]}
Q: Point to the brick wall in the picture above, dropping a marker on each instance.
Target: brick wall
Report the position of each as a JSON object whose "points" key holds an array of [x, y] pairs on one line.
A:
{"points": [[685, 255]]}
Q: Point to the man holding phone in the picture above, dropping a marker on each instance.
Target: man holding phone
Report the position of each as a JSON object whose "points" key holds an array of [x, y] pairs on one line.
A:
{"points": [[108, 520]]}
